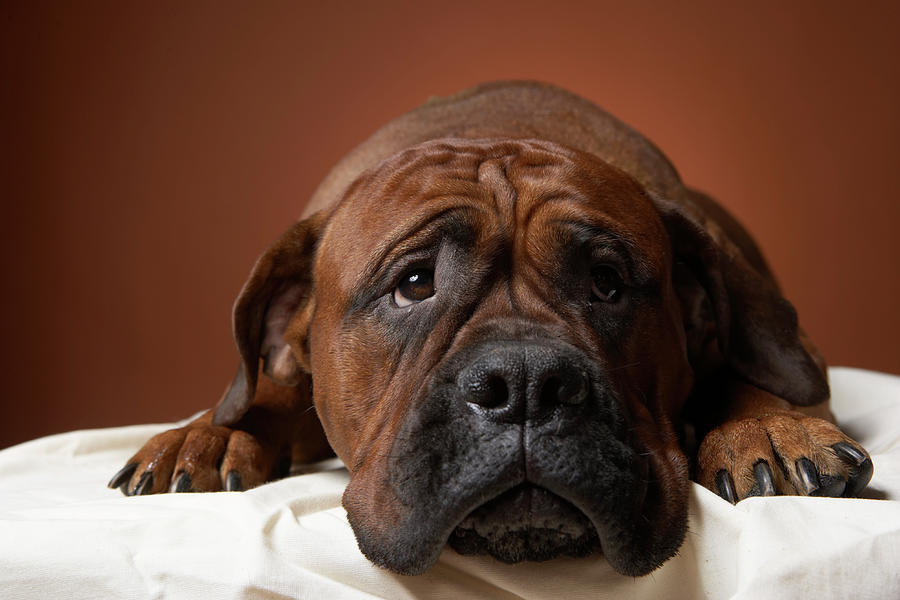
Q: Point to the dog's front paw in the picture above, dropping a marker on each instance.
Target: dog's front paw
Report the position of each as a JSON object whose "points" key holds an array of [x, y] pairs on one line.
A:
{"points": [[785, 453], [200, 458]]}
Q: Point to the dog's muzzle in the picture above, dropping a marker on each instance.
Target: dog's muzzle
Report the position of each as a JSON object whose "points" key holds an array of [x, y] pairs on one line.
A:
{"points": [[519, 450]]}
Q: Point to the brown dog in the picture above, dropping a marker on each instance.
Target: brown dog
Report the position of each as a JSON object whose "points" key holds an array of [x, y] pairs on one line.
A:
{"points": [[515, 317]]}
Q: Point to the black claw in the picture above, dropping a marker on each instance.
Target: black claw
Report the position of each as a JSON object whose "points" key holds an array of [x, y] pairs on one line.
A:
{"points": [[181, 484], [849, 453], [860, 473], [726, 486], [145, 484], [808, 475], [831, 486], [233, 482], [858, 482], [123, 476], [764, 481]]}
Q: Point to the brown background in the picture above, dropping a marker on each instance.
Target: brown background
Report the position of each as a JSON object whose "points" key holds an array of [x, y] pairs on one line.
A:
{"points": [[149, 154]]}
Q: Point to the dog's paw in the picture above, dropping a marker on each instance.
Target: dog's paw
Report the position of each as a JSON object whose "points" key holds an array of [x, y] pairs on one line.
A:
{"points": [[786, 453], [201, 458]]}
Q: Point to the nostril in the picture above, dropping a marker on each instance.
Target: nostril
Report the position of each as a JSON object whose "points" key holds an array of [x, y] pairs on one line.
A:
{"points": [[489, 392], [550, 391], [564, 390]]}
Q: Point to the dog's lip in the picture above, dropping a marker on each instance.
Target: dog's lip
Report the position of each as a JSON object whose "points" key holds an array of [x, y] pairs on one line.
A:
{"points": [[525, 488], [624, 523], [604, 528], [527, 522]]}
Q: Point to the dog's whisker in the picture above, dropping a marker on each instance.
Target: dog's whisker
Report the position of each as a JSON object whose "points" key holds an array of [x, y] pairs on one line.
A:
{"points": [[306, 410], [620, 367]]}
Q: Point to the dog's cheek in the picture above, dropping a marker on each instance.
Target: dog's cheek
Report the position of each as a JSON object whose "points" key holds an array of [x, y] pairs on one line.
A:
{"points": [[666, 361], [327, 383], [352, 367]]}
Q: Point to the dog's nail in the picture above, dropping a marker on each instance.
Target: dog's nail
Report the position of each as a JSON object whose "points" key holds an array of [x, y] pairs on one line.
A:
{"points": [[860, 473], [233, 482], [859, 480], [144, 485], [809, 478], [849, 453], [764, 480], [831, 486], [726, 486], [181, 484], [122, 477]]}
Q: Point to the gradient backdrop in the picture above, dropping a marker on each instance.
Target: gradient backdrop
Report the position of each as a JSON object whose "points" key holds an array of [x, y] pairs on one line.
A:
{"points": [[150, 151]]}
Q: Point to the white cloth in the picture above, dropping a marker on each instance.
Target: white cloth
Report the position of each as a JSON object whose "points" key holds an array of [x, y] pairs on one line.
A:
{"points": [[63, 534]]}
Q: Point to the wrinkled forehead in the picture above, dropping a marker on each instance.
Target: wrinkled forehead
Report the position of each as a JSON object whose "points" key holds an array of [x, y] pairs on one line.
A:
{"points": [[497, 186]]}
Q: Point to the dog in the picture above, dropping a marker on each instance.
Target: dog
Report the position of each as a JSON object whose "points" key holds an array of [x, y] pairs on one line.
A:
{"points": [[513, 323]]}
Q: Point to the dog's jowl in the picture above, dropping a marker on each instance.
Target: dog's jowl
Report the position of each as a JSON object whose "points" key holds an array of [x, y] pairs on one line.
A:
{"points": [[512, 318]]}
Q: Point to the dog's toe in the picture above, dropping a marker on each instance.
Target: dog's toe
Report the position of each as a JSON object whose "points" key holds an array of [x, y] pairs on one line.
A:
{"points": [[199, 458], [149, 470], [786, 453], [248, 462], [737, 461]]}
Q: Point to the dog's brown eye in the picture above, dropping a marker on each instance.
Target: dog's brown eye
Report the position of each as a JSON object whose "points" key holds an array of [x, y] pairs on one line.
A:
{"points": [[415, 287], [607, 284]]}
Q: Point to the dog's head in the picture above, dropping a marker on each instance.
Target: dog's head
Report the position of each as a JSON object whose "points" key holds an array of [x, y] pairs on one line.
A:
{"points": [[497, 334]]}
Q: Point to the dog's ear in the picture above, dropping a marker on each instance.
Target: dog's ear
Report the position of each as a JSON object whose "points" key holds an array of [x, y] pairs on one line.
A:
{"points": [[280, 285], [756, 327]]}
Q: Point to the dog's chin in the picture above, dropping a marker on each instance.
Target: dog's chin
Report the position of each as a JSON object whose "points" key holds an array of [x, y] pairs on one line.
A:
{"points": [[526, 522]]}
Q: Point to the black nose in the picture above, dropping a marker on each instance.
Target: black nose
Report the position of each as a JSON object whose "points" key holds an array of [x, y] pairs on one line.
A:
{"points": [[522, 381]]}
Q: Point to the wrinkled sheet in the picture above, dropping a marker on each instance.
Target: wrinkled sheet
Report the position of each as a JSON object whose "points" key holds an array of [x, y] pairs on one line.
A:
{"points": [[63, 534]]}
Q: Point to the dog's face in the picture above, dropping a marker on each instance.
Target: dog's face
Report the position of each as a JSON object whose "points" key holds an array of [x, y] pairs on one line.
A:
{"points": [[500, 358], [500, 336]]}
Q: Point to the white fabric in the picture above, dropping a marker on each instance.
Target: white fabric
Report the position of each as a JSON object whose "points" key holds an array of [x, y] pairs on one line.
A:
{"points": [[64, 535]]}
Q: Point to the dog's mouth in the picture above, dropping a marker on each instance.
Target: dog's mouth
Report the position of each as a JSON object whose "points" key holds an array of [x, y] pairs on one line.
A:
{"points": [[548, 479], [526, 522]]}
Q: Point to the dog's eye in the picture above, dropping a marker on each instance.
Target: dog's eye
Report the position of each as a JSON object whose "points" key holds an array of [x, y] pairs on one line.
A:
{"points": [[606, 283], [415, 286]]}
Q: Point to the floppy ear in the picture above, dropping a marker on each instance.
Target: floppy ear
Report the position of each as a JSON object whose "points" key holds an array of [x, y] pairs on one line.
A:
{"points": [[756, 328], [279, 286]]}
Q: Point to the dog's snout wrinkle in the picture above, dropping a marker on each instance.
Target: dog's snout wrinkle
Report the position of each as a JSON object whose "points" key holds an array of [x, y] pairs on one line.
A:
{"points": [[521, 381]]}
